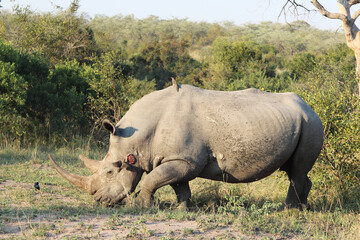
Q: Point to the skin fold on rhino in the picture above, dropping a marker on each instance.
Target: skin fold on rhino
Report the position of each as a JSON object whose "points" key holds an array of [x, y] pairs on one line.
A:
{"points": [[176, 135]]}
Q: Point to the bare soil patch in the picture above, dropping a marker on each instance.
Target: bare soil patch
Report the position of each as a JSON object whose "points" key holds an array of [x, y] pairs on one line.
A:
{"points": [[102, 226], [97, 227]]}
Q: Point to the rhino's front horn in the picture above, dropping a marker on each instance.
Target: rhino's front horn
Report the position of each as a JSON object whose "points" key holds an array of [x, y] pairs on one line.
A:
{"points": [[91, 164], [80, 181]]}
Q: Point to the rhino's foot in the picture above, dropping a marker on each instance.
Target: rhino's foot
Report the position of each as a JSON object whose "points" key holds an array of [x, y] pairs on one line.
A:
{"points": [[299, 206], [184, 206], [143, 200], [183, 194], [298, 192]]}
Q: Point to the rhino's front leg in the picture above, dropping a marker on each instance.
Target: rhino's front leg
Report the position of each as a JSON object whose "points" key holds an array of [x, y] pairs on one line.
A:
{"points": [[183, 194], [172, 172]]}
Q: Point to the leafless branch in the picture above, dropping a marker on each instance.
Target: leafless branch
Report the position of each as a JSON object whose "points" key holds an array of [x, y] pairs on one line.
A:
{"points": [[297, 5], [292, 5], [353, 2], [328, 14], [356, 15]]}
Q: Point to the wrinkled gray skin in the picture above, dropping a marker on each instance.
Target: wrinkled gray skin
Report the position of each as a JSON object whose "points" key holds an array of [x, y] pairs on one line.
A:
{"points": [[183, 132]]}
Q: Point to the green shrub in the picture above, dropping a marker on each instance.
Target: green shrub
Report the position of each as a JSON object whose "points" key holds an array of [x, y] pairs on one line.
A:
{"points": [[331, 93], [12, 98], [301, 64], [66, 95], [258, 79], [108, 80], [163, 58], [236, 65], [235, 59]]}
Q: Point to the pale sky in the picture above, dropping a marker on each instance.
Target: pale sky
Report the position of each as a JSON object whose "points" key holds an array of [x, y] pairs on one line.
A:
{"points": [[237, 11]]}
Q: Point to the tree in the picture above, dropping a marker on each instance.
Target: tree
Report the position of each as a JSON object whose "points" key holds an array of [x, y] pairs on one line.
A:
{"points": [[58, 37], [352, 32]]}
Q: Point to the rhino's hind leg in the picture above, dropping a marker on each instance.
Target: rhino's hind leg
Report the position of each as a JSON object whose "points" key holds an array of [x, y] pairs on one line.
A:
{"points": [[305, 193], [298, 191], [183, 194], [169, 173], [301, 162], [297, 168]]}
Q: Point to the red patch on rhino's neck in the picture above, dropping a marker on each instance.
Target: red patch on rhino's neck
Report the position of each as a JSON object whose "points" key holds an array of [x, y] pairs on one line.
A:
{"points": [[131, 159]]}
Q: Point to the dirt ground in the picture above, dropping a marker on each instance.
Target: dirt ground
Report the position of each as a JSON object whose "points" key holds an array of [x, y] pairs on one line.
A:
{"points": [[89, 227], [102, 226]]}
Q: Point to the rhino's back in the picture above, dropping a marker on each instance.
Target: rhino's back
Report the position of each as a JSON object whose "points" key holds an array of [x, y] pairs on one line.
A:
{"points": [[250, 113]]}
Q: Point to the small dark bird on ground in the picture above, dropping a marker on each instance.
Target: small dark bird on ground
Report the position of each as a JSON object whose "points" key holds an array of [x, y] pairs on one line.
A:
{"points": [[36, 186]]}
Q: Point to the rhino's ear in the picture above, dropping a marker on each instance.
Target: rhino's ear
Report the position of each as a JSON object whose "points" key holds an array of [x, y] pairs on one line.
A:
{"points": [[109, 126]]}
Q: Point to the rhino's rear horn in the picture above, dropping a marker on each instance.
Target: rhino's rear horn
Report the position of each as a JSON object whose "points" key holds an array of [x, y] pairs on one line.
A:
{"points": [[77, 180], [91, 164]]}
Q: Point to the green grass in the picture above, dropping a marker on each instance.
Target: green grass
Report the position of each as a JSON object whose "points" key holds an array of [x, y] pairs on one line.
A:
{"points": [[251, 210]]}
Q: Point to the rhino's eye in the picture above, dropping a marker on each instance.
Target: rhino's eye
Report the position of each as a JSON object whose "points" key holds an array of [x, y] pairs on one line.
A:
{"points": [[117, 164], [109, 172]]}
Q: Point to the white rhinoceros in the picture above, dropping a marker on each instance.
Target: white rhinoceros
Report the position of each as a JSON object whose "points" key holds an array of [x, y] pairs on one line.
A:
{"points": [[178, 134]]}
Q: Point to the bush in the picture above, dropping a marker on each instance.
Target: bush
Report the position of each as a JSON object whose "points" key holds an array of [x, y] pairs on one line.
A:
{"points": [[235, 59], [301, 64], [330, 91], [163, 58], [12, 98], [258, 79], [237, 65], [66, 95], [21, 73], [60, 37], [108, 80]]}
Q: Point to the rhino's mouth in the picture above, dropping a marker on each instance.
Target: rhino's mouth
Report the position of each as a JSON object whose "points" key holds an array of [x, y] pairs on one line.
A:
{"points": [[104, 197], [113, 194]]}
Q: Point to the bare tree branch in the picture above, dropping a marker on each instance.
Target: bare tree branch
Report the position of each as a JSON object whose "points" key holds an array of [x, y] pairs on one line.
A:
{"points": [[297, 5], [328, 14], [356, 15], [293, 6], [353, 2], [352, 32]]}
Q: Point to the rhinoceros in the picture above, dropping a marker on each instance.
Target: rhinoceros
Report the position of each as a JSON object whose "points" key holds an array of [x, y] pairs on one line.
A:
{"points": [[180, 133]]}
